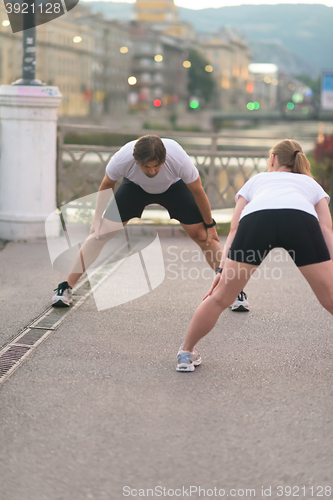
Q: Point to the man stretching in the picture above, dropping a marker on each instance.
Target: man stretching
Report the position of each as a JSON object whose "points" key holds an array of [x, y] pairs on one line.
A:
{"points": [[155, 171]]}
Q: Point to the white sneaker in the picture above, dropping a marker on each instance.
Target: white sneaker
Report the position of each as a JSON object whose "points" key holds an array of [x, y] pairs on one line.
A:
{"points": [[240, 304], [63, 296], [187, 361]]}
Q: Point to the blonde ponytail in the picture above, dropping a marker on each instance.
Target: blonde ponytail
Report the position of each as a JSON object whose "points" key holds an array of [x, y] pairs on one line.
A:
{"points": [[290, 154]]}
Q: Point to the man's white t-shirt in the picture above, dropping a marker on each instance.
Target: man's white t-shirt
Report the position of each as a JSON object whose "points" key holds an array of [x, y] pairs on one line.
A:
{"points": [[273, 190], [178, 165]]}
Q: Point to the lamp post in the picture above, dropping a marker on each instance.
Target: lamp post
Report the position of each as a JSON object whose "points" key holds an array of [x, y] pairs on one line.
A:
{"points": [[29, 47]]}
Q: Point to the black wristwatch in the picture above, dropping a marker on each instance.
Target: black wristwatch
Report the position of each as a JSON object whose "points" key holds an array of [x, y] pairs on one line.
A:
{"points": [[208, 226], [218, 270]]}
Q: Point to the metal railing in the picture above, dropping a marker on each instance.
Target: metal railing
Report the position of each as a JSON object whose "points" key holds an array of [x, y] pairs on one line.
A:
{"points": [[81, 168]]}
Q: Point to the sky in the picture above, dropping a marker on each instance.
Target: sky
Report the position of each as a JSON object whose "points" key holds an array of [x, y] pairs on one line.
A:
{"points": [[204, 4]]}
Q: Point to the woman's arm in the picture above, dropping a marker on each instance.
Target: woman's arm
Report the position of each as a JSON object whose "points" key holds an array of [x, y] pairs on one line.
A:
{"points": [[241, 203], [325, 222], [233, 229]]}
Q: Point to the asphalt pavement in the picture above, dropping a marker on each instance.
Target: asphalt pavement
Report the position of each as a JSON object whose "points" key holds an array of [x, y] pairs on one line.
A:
{"points": [[99, 412]]}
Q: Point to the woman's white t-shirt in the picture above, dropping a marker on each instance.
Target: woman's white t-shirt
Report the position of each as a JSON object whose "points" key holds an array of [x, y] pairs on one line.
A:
{"points": [[178, 165], [274, 190]]}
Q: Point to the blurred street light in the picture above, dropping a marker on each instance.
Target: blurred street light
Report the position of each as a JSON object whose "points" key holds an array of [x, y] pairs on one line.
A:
{"points": [[132, 80], [77, 39], [158, 58], [123, 50], [209, 68], [187, 64]]}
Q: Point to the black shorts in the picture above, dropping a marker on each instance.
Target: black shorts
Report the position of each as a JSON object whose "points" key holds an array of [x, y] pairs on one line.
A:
{"points": [[130, 201], [296, 231]]}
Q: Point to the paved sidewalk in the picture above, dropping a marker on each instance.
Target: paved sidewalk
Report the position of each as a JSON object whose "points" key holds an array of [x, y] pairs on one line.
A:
{"points": [[99, 405]]}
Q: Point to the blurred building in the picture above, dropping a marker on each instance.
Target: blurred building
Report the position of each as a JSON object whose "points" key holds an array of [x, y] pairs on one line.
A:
{"points": [[263, 85], [274, 90], [162, 15], [111, 61], [157, 69], [64, 57], [229, 58], [86, 56], [10, 51]]}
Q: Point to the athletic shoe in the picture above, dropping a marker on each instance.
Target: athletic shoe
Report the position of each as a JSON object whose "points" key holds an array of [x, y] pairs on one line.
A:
{"points": [[63, 297], [240, 304], [187, 361]]}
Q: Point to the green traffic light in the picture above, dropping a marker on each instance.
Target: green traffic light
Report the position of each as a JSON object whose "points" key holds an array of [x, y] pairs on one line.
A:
{"points": [[256, 105], [250, 106], [194, 104]]}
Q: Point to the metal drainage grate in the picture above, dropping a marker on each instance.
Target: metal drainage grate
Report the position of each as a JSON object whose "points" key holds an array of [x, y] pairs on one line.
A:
{"points": [[30, 338], [10, 357], [12, 354]]}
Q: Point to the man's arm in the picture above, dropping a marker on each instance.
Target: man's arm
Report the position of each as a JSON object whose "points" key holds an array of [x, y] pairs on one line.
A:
{"points": [[204, 207]]}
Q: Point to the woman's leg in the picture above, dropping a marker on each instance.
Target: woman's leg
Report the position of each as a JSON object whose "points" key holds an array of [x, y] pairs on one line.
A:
{"points": [[234, 277], [320, 278]]}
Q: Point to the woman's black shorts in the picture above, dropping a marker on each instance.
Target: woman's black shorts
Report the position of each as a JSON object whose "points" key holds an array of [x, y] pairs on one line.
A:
{"points": [[296, 231], [130, 201]]}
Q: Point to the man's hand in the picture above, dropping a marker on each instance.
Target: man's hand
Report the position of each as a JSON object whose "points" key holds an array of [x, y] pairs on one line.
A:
{"points": [[211, 235], [214, 285], [95, 227]]}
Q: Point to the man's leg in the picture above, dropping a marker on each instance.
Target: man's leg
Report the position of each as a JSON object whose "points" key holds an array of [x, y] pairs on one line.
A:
{"points": [[86, 256], [91, 249], [213, 252]]}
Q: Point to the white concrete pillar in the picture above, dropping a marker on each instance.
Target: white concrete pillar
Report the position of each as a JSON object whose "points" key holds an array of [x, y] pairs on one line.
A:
{"points": [[28, 135]]}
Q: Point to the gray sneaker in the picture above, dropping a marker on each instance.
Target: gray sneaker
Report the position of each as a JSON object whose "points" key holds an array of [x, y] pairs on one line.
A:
{"points": [[241, 304], [63, 296], [187, 361]]}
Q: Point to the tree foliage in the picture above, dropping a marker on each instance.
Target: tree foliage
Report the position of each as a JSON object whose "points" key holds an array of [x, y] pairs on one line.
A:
{"points": [[200, 83]]}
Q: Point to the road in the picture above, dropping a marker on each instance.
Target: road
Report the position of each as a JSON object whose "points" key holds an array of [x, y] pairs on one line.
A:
{"points": [[99, 412]]}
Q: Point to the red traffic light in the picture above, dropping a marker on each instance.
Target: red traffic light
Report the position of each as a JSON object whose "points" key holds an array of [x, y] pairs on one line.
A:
{"points": [[157, 103]]}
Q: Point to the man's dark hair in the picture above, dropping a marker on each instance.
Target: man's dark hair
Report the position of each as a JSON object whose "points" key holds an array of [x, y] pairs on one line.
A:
{"points": [[149, 148]]}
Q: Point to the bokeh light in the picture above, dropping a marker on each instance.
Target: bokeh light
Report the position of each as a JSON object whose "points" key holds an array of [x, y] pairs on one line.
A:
{"points": [[209, 68], [158, 58], [157, 103], [290, 105], [250, 106], [194, 104], [256, 105], [305, 110], [123, 50], [77, 39], [132, 80], [298, 97], [5, 23], [187, 64]]}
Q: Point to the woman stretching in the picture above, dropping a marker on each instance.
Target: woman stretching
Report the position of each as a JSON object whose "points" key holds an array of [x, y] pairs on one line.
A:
{"points": [[284, 207]]}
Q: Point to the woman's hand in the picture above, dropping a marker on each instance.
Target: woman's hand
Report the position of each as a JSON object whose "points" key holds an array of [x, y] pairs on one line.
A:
{"points": [[214, 285]]}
